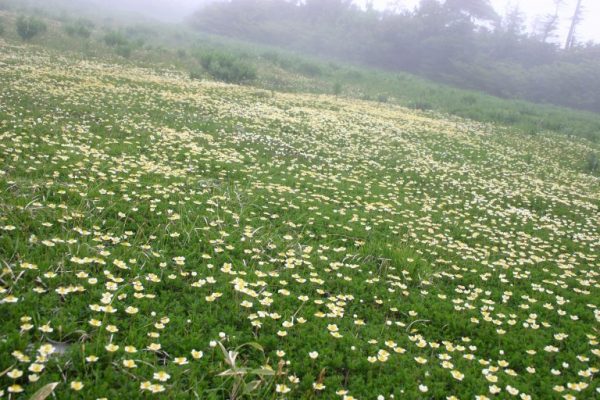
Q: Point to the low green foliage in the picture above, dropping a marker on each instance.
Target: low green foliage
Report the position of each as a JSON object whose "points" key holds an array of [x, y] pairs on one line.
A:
{"points": [[182, 53], [29, 27], [80, 28], [124, 50], [115, 39], [592, 163], [382, 98], [421, 105], [337, 88], [309, 68], [197, 74], [122, 46], [227, 67]]}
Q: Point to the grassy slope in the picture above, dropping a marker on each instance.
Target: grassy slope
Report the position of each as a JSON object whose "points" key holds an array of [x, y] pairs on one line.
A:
{"points": [[137, 187], [176, 46]]}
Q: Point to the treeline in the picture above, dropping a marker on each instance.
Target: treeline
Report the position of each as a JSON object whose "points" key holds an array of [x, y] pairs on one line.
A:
{"points": [[461, 42]]}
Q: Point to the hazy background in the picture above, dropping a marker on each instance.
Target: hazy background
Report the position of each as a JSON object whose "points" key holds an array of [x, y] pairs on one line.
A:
{"points": [[480, 45], [177, 10], [589, 29]]}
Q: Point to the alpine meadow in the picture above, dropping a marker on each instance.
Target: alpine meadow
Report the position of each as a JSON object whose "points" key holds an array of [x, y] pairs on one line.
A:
{"points": [[190, 216]]}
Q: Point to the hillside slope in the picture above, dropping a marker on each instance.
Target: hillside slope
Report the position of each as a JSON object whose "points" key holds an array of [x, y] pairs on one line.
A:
{"points": [[136, 42], [445, 41], [360, 249]]}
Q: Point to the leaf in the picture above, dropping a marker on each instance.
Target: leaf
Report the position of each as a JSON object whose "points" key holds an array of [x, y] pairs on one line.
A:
{"points": [[225, 354], [262, 371], [255, 345], [234, 372], [232, 356], [252, 386], [44, 391], [228, 372], [6, 370], [322, 375]]}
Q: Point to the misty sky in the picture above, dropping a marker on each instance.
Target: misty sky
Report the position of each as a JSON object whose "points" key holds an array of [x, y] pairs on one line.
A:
{"points": [[588, 30]]}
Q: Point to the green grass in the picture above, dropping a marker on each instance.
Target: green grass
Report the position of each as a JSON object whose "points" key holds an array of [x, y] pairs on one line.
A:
{"points": [[129, 147], [272, 219]]}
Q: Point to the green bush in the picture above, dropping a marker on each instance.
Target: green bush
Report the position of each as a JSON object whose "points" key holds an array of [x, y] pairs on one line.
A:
{"points": [[309, 69], [29, 27], [196, 74], [337, 89], [124, 50], [271, 56], [226, 67], [1, 27], [115, 39], [421, 105], [181, 53], [592, 163], [79, 28], [469, 99], [285, 62]]}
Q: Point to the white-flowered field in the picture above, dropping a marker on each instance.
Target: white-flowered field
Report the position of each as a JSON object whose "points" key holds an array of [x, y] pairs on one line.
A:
{"points": [[168, 238]]}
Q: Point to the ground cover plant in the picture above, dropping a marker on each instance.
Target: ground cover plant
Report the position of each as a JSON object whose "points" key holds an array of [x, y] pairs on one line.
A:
{"points": [[168, 237], [29, 27]]}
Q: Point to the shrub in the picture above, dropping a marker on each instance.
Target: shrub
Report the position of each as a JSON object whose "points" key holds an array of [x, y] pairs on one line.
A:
{"points": [[337, 89], [114, 39], [469, 99], [1, 28], [382, 98], [181, 53], [271, 56], [79, 28], [285, 62], [140, 31], [124, 50], [310, 69], [592, 163], [196, 74], [226, 67], [29, 27], [353, 74], [421, 105]]}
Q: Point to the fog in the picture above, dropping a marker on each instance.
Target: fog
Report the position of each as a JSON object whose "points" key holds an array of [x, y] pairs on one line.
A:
{"points": [[589, 28], [485, 45], [472, 44], [177, 10], [533, 9], [164, 10]]}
